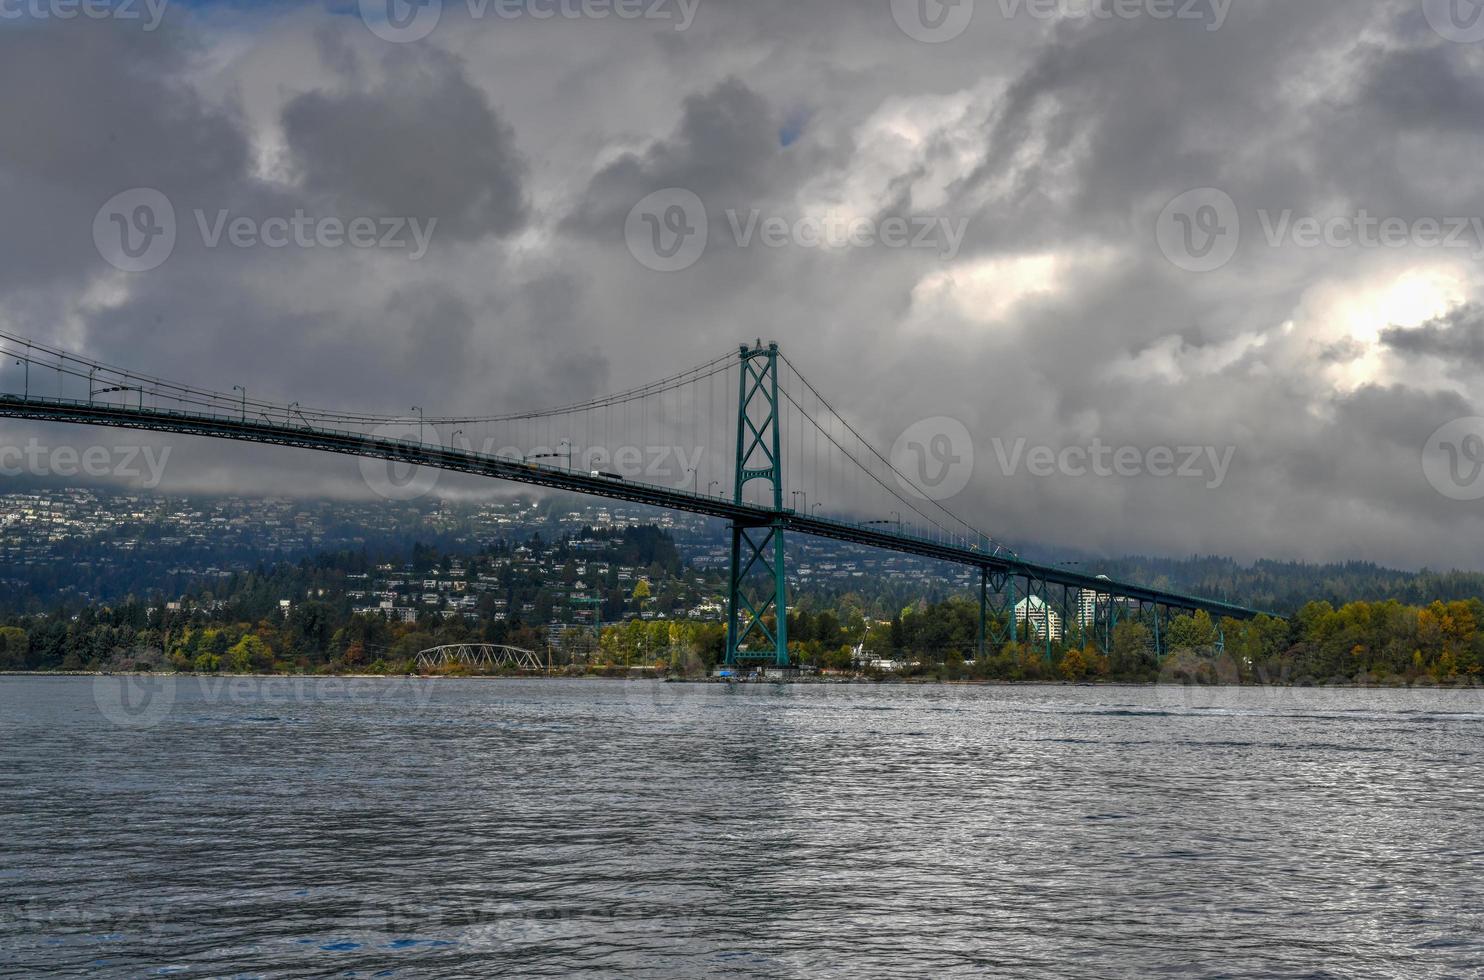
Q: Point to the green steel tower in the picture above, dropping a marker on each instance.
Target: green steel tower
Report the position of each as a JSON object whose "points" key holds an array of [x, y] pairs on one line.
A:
{"points": [[757, 586]]}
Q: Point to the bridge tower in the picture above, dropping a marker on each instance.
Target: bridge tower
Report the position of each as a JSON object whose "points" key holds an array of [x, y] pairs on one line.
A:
{"points": [[757, 586]]}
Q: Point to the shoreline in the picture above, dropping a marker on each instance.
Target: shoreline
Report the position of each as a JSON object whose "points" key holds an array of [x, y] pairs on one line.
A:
{"points": [[1464, 684]]}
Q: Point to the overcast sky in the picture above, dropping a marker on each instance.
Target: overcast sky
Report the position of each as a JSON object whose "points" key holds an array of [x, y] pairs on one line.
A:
{"points": [[1251, 227]]}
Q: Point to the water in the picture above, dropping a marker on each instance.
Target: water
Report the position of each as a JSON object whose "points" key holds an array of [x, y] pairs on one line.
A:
{"points": [[543, 828]]}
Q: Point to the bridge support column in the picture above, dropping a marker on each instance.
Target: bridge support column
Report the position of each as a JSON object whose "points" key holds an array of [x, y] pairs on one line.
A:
{"points": [[1014, 614], [759, 457], [995, 612], [1159, 653], [983, 610], [752, 597]]}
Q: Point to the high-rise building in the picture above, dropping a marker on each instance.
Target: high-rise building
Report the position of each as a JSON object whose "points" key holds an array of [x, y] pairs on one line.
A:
{"points": [[1036, 618]]}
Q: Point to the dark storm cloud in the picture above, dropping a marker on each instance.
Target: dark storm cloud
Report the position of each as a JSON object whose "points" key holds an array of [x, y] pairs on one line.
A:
{"points": [[1122, 109], [1427, 87], [1396, 416], [112, 108], [424, 142], [726, 149], [1457, 337], [1060, 322], [91, 110]]}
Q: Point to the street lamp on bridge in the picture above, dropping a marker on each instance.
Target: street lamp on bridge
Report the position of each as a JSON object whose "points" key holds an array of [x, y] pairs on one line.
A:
{"points": [[27, 363], [557, 455]]}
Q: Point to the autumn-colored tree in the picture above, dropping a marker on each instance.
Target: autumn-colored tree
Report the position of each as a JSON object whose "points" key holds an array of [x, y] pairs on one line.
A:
{"points": [[1083, 664], [15, 643]]}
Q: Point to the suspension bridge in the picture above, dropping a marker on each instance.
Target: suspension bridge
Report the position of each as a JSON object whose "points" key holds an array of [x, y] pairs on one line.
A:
{"points": [[788, 463]]}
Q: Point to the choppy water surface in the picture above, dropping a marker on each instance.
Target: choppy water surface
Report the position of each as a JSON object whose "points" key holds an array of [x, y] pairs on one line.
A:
{"points": [[532, 828]]}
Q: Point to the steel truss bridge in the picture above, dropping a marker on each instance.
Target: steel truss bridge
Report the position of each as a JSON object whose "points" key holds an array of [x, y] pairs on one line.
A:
{"points": [[791, 465], [486, 655]]}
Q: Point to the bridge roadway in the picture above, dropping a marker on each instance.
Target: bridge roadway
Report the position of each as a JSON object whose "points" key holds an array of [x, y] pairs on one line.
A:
{"points": [[263, 430]]}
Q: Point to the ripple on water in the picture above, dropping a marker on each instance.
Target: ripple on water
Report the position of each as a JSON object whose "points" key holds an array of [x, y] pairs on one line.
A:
{"points": [[604, 829]]}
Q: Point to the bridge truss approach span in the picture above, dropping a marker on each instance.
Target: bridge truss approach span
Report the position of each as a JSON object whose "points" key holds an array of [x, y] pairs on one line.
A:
{"points": [[744, 438], [488, 656]]}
